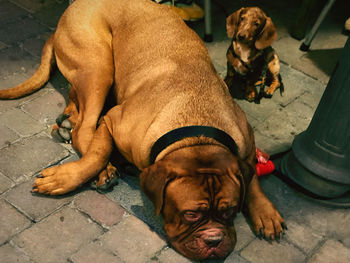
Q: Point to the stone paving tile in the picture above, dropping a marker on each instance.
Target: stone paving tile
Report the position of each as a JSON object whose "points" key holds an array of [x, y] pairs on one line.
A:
{"points": [[302, 236], [20, 30], [259, 111], [313, 96], [10, 12], [58, 236], [243, 231], [11, 224], [29, 156], [16, 60], [318, 219], [252, 120], [263, 251], [296, 84], [10, 254], [346, 242], [130, 196], [35, 206], [234, 257], [338, 224], [171, 256], [99, 208], [6, 105], [95, 252], [12, 80], [2, 45], [21, 122], [46, 108], [269, 144], [332, 251], [5, 183], [34, 5], [309, 66], [133, 240], [35, 45], [217, 51], [71, 158], [50, 14], [287, 49], [7, 136], [294, 119]]}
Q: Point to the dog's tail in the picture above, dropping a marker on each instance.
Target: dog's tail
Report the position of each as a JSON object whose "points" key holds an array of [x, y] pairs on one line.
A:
{"points": [[40, 77]]}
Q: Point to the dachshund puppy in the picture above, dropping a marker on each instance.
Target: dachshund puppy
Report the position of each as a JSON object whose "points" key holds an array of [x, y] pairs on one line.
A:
{"points": [[251, 61]]}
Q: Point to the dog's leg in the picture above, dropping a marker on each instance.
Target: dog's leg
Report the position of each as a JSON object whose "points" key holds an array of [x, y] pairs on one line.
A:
{"points": [[65, 178], [266, 220], [92, 93], [274, 70], [250, 91]]}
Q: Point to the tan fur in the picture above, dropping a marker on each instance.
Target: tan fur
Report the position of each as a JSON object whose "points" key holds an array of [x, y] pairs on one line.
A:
{"points": [[162, 78]]}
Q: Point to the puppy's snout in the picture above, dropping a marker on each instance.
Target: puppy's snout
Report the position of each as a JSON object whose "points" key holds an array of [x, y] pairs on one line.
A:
{"points": [[241, 37]]}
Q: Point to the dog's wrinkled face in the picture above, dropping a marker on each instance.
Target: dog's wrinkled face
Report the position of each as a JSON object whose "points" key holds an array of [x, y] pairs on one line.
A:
{"points": [[198, 201], [198, 214], [251, 26]]}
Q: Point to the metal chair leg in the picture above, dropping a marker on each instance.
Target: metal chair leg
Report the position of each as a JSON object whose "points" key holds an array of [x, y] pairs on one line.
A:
{"points": [[310, 36], [208, 35]]}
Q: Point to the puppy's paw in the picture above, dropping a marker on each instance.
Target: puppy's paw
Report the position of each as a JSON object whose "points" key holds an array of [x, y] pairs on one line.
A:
{"points": [[251, 96], [269, 92]]}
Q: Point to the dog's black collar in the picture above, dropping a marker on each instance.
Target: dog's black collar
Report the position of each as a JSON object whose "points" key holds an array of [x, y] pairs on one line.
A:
{"points": [[192, 131]]}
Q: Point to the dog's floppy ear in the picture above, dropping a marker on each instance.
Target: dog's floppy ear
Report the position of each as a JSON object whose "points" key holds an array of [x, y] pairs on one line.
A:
{"points": [[244, 176], [153, 181], [267, 35], [232, 23]]}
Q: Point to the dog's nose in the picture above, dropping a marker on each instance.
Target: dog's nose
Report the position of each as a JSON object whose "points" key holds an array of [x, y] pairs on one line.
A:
{"points": [[213, 241], [241, 37]]}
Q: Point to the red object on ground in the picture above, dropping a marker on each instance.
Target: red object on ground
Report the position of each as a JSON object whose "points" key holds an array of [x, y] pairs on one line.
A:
{"points": [[264, 165], [264, 168]]}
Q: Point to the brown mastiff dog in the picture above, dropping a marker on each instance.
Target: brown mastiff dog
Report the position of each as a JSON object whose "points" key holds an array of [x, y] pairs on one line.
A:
{"points": [[173, 118]]}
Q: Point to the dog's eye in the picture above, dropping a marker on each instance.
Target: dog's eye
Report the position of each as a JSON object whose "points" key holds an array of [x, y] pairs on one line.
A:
{"points": [[257, 24], [192, 216], [229, 213], [241, 18]]}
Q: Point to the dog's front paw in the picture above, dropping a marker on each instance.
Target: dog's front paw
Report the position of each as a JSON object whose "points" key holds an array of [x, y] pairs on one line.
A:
{"points": [[269, 92], [250, 96], [266, 220], [59, 179]]}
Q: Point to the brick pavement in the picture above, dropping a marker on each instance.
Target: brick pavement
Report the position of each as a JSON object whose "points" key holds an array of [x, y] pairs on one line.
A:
{"points": [[120, 226]]}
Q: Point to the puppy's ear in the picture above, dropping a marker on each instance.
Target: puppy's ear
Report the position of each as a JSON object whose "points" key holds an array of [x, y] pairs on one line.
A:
{"points": [[232, 23], [153, 181], [267, 35]]}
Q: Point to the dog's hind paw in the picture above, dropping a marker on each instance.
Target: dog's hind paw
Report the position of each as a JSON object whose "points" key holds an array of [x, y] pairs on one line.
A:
{"points": [[61, 131], [107, 179]]}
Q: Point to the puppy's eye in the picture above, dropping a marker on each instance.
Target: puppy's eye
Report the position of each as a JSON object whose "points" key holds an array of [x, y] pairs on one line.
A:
{"points": [[241, 18], [257, 24], [192, 216]]}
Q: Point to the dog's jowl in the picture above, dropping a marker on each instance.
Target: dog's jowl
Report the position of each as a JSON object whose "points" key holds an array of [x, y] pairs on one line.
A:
{"points": [[173, 118]]}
